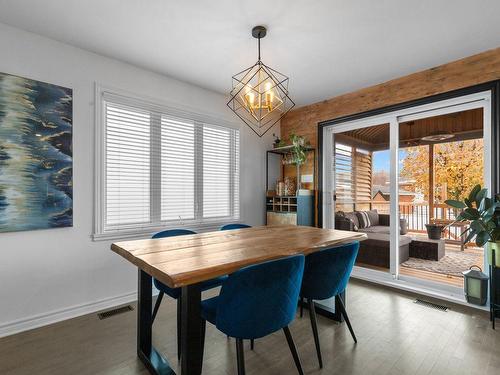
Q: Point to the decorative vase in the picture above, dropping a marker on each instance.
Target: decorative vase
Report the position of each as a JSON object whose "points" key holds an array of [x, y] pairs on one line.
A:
{"points": [[489, 249], [280, 188], [289, 186]]}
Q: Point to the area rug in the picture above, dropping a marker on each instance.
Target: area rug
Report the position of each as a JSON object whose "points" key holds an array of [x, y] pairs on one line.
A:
{"points": [[453, 263]]}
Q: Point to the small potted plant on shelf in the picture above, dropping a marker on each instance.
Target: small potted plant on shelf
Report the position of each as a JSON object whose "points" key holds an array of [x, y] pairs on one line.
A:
{"points": [[483, 213], [278, 142]]}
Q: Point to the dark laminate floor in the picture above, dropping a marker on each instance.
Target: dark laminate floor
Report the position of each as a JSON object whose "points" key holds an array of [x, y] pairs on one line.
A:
{"points": [[395, 336]]}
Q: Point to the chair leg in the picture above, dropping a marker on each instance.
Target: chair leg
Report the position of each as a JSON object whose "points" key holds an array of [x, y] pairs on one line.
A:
{"points": [[301, 306], [240, 357], [314, 326], [251, 344], [293, 349], [203, 333], [157, 306], [341, 305], [179, 327]]}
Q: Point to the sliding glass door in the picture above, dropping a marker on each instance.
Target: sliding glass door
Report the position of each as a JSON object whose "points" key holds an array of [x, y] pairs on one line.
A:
{"points": [[441, 156], [389, 175], [361, 177]]}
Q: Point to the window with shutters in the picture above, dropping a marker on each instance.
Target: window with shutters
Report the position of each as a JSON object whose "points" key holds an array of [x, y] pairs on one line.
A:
{"points": [[159, 169]]}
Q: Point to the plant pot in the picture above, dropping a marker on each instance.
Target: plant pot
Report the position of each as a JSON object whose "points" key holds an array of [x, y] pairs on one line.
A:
{"points": [[434, 231], [490, 246]]}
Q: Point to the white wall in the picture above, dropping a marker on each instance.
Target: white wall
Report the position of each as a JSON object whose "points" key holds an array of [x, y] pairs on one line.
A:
{"points": [[48, 275]]}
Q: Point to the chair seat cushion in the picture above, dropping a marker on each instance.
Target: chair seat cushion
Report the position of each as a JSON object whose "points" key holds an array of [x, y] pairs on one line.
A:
{"points": [[209, 309], [176, 292]]}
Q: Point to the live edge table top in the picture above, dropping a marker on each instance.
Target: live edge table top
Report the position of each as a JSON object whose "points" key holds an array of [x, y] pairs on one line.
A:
{"points": [[184, 260]]}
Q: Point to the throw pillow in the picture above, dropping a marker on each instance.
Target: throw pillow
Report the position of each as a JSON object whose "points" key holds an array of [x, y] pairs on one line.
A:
{"points": [[354, 218], [364, 219], [373, 215]]}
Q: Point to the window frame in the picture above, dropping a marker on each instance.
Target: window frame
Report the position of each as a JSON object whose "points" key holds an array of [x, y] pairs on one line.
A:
{"points": [[105, 94]]}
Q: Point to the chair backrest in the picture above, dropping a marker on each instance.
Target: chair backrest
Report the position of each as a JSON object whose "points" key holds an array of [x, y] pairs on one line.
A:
{"points": [[234, 226], [172, 233], [260, 299], [327, 272]]}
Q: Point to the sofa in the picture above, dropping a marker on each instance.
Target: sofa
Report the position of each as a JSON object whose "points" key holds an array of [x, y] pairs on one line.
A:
{"points": [[375, 250]]}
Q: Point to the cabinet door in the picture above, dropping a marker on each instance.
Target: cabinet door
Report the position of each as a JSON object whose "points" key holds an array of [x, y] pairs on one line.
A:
{"points": [[305, 210], [277, 218]]}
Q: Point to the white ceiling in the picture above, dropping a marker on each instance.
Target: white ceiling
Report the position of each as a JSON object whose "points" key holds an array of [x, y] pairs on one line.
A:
{"points": [[326, 47]]}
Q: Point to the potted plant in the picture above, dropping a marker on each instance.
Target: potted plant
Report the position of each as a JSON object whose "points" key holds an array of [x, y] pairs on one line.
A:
{"points": [[483, 213], [278, 142], [299, 149]]}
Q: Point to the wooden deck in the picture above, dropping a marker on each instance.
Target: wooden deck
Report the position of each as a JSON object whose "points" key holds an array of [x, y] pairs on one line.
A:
{"points": [[435, 276], [432, 276]]}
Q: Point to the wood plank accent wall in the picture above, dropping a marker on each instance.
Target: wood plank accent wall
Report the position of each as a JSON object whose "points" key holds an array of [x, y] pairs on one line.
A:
{"points": [[470, 71]]}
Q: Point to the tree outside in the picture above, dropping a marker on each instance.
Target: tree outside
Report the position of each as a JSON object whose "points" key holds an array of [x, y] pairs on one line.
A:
{"points": [[458, 167]]}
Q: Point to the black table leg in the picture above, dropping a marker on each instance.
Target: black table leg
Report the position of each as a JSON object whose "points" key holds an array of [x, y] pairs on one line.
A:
{"points": [[192, 331], [153, 360]]}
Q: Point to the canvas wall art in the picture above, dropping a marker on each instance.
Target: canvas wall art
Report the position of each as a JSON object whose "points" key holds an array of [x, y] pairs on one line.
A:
{"points": [[36, 165]]}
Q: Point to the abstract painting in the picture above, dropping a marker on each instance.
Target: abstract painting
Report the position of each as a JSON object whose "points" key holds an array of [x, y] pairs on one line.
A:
{"points": [[36, 156]]}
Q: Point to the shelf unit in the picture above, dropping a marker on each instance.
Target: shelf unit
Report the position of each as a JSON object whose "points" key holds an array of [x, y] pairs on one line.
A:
{"points": [[281, 204], [282, 151], [296, 209]]}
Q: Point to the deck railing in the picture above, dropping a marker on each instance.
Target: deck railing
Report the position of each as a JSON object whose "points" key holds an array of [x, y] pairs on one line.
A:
{"points": [[416, 215]]}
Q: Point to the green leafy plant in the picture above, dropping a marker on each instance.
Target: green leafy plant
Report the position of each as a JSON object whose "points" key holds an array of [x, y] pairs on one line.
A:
{"points": [[482, 213], [278, 142], [299, 149]]}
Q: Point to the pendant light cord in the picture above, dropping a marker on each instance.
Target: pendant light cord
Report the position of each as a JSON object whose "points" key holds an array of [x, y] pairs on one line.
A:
{"points": [[259, 45]]}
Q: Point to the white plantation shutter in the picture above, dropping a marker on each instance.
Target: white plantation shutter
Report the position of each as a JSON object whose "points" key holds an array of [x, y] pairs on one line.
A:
{"points": [[217, 179], [236, 174], [177, 169], [163, 171], [127, 163]]}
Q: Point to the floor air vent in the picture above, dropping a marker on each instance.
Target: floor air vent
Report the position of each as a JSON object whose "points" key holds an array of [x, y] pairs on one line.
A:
{"points": [[431, 305], [118, 310]]}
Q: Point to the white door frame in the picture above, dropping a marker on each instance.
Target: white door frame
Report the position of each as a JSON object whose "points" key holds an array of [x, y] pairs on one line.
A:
{"points": [[394, 118]]}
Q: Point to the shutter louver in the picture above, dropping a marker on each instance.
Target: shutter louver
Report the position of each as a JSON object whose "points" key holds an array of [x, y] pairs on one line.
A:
{"points": [[216, 172], [177, 169], [236, 175], [353, 178], [343, 167], [127, 167]]}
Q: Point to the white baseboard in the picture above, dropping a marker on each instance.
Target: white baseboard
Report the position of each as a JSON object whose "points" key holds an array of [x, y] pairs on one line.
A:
{"points": [[40, 320]]}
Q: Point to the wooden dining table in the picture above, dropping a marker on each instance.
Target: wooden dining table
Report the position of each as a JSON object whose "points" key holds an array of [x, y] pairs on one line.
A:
{"points": [[186, 261]]}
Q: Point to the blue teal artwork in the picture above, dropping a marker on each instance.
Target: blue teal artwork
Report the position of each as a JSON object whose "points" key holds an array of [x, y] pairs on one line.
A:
{"points": [[36, 156]]}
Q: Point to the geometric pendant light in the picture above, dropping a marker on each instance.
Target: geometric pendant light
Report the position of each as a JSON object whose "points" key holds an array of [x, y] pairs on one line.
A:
{"points": [[260, 94]]}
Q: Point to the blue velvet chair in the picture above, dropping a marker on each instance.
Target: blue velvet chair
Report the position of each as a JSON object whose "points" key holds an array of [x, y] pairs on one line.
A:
{"points": [[175, 293], [231, 227], [234, 226], [326, 274], [257, 301]]}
